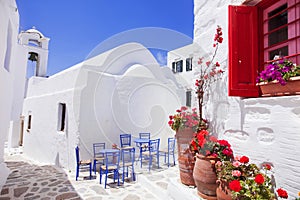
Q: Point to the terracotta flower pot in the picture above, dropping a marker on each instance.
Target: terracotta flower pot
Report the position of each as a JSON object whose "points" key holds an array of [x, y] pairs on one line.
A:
{"points": [[205, 176], [274, 88], [185, 156], [223, 192]]}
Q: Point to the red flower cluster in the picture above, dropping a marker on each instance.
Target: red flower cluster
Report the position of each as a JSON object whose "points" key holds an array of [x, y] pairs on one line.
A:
{"points": [[184, 118], [259, 179], [218, 36], [267, 166], [244, 159], [282, 193], [235, 185]]}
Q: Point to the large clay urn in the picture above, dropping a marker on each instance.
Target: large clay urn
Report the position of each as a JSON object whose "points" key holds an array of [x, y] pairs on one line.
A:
{"points": [[205, 176], [186, 158]]}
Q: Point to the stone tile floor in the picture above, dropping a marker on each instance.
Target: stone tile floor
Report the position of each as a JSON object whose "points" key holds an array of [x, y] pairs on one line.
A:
{"points": [[29, 180]]}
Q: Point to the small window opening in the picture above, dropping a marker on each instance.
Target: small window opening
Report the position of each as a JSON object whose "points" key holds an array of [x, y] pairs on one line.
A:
{"points": [[188, 98], [61, 116], [29, 123], [189, 64], [179, 66]]}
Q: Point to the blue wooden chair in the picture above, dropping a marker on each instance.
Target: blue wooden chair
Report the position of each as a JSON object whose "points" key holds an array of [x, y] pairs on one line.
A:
{"points": [[111, 166], [125, 140], [98, 157], [170, 151], [153, 152], [128, 159], [82, 164]]}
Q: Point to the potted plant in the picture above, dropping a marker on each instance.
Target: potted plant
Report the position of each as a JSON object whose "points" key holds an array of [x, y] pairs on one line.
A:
{"points": [[279, 78], [185, 123], [240, 179], [208, 151]]}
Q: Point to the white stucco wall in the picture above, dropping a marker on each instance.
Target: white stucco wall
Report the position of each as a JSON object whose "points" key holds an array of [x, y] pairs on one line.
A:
{"points": [[265, 129], [9, 23], [121, 90]]}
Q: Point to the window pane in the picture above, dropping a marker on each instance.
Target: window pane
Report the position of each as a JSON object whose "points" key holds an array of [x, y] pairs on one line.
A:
{"points": [[189, 64], [278, 36], [173, 67], [188, 98], [283, 51], [278, 18], [179, 66]]}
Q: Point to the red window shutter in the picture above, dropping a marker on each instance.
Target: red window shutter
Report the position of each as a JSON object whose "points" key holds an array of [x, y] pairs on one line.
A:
{"points": [[243, 51]]}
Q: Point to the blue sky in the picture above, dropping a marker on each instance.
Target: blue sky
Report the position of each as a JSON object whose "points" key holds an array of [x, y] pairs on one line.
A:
{"points": [[76, 27]]}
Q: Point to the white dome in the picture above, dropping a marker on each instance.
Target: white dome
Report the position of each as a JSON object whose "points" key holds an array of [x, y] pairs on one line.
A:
{"points": [[33, 30]]}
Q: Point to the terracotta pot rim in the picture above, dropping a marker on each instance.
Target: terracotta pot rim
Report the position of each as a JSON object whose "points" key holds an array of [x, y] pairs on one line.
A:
{"points": [[274, 82], [201, 156]]}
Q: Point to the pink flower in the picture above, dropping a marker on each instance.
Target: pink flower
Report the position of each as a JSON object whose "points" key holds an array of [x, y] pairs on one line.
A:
{"points": [[236, 163], [236, 173]]}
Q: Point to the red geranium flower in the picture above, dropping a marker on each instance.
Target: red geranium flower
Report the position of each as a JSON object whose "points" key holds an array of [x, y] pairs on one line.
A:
{"points": [[259, 179], [267, 166], [244, 159], [282, 193], [235, 185], [224, 143]]}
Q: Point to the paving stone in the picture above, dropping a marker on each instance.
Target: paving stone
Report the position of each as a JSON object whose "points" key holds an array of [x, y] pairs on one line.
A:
{"points": [[4, 191], [4, 198], [56, 183], [67, 195], [19, 191], [44, 190]]}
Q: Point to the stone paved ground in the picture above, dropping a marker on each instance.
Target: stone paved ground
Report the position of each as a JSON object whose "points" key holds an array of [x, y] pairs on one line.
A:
{"points": [[27, 181]]}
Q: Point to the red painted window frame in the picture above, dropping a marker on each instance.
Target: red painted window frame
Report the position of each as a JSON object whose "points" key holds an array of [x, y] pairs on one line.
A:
{"points": [[254, 62]]}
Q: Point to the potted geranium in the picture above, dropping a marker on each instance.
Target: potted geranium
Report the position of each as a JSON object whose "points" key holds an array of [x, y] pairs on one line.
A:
{"points": [[240, 179], [279, 78], [185, 122], [208, 150]]}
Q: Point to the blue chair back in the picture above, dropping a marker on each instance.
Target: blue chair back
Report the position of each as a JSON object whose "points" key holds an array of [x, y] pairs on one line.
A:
{"points": [[154, 146], [171, 145], [125, 140], [144, 135], [96, 149]]}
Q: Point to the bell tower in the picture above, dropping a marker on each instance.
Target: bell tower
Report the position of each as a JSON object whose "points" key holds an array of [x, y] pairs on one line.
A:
{"points": [[32, 50], [36, 45]]}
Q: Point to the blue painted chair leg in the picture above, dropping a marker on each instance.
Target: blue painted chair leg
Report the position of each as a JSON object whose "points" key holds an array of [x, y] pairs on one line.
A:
{"points": [[77, 172], [90, 171]]}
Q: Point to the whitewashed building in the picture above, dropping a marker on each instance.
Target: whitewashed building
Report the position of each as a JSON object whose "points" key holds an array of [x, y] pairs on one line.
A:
{"points": [[123, 90], [267, 129]]}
